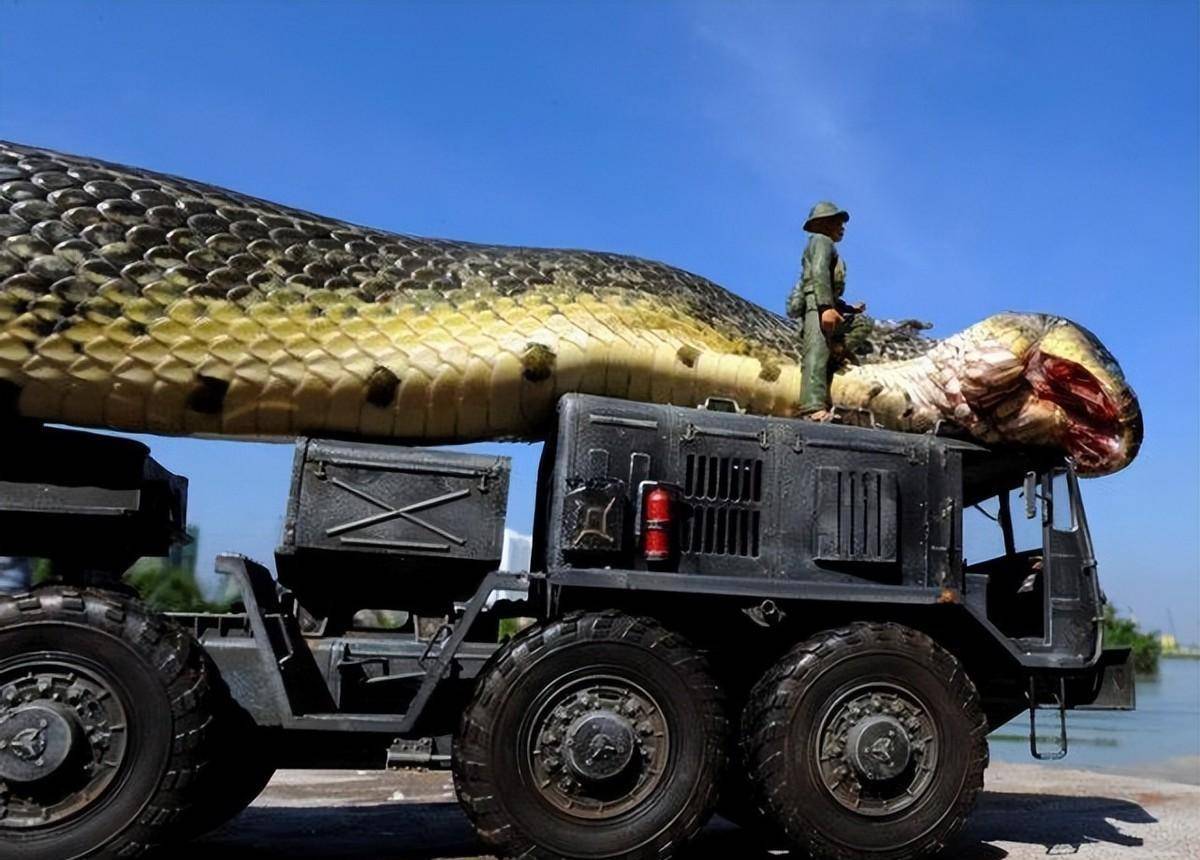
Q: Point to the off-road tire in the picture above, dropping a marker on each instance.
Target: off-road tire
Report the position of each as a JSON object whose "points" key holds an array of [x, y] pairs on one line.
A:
{"points": [[780, 733], [491, 771], [738, 805], [158, 671], [242, 763]]}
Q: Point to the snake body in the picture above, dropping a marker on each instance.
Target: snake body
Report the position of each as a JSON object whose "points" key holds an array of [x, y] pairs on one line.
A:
{"points": [[145, 302]]}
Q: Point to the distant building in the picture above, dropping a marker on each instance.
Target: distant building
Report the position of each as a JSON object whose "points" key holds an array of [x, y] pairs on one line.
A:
{"points": [[16, 574], [183, 553], [515, 557], [518, 550]]}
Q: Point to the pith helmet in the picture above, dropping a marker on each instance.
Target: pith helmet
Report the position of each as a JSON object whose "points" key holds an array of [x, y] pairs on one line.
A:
{"points": [[825, 209]]}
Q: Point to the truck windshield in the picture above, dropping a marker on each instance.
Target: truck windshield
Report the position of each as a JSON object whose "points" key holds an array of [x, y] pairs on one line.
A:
{"points": [[1062, 511], [984, 528], [985, 524]]}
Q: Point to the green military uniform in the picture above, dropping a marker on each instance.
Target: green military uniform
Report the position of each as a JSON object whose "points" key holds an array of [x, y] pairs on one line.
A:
{"points": [[820, 286]]}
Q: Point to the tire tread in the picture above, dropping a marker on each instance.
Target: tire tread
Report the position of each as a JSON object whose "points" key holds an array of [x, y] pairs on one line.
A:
{"points": [[475, 790], [765, 724], [177, 659]]}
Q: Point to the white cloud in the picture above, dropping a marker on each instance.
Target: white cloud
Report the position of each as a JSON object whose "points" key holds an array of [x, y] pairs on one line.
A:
{"points": [[794, 99]]}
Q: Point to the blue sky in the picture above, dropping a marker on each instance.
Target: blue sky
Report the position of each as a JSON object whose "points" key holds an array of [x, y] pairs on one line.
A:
{"points": [[1030, 156]]}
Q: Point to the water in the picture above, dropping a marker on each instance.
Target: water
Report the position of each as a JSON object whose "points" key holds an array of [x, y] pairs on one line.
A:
{"points": [[1161, 739]]}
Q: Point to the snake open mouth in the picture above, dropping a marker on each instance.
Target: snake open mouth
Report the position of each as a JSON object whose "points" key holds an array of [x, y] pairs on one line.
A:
{"points": [[1100, 432]]}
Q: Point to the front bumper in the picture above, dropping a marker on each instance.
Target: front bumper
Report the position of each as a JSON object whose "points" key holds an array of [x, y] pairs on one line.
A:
{"points": [[1107, 686]]}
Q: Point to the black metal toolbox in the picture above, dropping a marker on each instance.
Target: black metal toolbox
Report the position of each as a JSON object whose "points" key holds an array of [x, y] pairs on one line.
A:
{"points": [[390, 523]]}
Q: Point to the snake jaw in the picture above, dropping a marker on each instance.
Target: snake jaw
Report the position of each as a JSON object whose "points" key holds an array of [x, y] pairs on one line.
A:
{"points": [[1075, 394]]}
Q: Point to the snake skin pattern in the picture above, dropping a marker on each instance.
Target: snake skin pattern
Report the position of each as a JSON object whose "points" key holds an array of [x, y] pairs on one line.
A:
{"points": [[145, 302]]}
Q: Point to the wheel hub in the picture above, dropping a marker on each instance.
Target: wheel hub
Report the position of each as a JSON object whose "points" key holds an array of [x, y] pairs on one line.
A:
{"points": [[597, 746], [878, 747], [63, 739], [600, 745], [35, 741]]}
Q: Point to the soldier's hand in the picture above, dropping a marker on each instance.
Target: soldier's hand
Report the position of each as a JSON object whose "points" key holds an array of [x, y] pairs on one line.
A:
{"points": [[859, 307], [830, 319]]}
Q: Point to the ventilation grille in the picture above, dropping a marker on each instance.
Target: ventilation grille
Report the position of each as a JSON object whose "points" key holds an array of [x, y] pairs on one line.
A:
{"points": [[723, 479], [856, 514], [719, 530], [722, 499]]}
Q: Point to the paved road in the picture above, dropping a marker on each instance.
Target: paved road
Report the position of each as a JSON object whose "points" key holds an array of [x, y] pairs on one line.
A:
{"points": [[1025, 812]]}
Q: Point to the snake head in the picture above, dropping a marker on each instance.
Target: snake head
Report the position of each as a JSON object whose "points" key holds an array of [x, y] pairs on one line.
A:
{"points": [[1073, 396]]}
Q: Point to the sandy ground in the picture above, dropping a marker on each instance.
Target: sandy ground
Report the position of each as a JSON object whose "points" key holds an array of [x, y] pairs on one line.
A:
{"points": [[1026, 811]]}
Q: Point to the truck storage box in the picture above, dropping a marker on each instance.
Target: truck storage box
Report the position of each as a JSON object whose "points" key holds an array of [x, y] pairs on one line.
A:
{"points": [[390, 524]]}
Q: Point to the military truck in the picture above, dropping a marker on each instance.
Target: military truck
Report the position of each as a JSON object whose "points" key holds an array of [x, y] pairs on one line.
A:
{"points": [[769, 617]]}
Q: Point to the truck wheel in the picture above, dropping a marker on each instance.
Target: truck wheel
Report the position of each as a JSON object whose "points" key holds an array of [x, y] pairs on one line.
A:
{"points": [[241, 765], [104, 709], [596, 736], [738, 806], [868, 741]]}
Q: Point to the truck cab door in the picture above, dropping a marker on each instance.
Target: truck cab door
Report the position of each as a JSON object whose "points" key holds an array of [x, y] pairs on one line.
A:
{"points": [[1072, 592]]}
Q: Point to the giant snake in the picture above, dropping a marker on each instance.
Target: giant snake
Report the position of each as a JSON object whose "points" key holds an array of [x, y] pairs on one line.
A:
{"points": [[144, 302]]}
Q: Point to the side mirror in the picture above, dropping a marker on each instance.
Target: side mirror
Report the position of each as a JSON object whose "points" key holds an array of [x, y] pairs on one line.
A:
{"points": [[1030, 495]]}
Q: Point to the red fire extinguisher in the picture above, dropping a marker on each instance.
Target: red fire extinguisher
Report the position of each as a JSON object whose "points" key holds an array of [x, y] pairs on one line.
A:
{"points": [[658, 513]]}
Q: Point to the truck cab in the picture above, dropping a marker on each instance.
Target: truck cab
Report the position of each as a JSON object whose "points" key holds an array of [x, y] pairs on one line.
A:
{"points": [[1043, 599]]}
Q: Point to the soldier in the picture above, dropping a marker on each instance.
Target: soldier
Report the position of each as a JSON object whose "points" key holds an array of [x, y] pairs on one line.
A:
{"points": [[816, 300]]}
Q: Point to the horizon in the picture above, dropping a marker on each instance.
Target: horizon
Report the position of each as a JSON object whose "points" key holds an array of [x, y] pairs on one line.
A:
{"points": [[992, 157]]}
